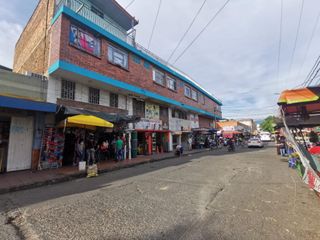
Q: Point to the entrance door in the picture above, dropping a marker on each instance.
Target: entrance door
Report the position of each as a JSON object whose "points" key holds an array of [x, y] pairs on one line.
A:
{"points": [[20, 143], [4, 141]]}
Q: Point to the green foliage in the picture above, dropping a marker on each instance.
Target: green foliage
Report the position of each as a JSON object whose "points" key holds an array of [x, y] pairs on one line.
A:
{"points": [[268, 124], [313, 137]]}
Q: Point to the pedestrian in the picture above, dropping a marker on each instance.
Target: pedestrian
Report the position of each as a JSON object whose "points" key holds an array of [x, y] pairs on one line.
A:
{"points": [[90, 150], [119, 146], [282, 146], [79, 152], [190, 143]]}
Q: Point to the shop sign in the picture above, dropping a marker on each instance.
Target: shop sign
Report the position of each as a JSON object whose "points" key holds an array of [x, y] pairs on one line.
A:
{"points": [[180, 125], [149, 124], [152, 111]]}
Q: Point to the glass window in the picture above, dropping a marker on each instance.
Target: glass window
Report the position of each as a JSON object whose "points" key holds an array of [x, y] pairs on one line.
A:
{"points": [[158, 77], [136, 59], [94, 95], [172, 83], [138, 108], [187, 91], [179, 114], [114, 100], [68, 90], [203, 99], [146, 65], [118, 57], [194, 95]]}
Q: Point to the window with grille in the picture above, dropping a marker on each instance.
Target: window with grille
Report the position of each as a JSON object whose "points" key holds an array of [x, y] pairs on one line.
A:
{"points": [[114, 100], [187, 91], [94, 95], [194, 95], [68, 89], [179, 114], [118, 57], [158, 77], [138, 108], [171, 83]]}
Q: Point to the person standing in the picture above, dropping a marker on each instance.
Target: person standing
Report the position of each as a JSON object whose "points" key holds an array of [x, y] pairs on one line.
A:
{"points": [[190, 143], [119, 146]]}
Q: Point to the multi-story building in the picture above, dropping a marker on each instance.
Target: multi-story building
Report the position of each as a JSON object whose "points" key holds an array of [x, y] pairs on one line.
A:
{"points": [[250, 123], [233, 127], [87, 50]]}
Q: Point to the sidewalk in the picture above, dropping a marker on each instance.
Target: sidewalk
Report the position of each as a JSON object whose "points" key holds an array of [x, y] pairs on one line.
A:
{"points": [[21, 180]]}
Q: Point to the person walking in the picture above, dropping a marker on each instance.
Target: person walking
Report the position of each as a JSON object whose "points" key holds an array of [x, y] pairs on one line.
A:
{"points": [[190, 143], [119, 146]]}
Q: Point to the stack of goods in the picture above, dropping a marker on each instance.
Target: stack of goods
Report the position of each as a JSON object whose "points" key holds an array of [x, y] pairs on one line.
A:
{"points": [[52, 148]]}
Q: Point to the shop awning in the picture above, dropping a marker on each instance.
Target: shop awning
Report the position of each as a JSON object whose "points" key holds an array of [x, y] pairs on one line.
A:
{"points": [[301, 95], [110, 117], [88, 120]]}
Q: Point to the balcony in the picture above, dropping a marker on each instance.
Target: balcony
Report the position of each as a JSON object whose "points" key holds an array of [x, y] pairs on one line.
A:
{"points": [[85, 11], [22, 86]]}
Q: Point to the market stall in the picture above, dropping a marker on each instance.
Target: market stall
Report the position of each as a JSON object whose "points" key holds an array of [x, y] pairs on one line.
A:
{"points": [[300, 108]]}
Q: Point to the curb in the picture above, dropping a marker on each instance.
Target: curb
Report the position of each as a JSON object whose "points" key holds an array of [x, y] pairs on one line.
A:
{"points": [[83, 175]]}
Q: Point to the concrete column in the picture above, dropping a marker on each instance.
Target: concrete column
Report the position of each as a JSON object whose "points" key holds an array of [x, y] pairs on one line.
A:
{"points": [[170, 142], [129, 145]]}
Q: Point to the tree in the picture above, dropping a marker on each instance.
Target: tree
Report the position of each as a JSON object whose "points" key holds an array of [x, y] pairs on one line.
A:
{"points": [[268, 124], [313, 137]]}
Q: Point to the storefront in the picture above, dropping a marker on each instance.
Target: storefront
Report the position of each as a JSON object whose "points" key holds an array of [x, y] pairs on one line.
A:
{"points": [[152, 141], [21, 128]]}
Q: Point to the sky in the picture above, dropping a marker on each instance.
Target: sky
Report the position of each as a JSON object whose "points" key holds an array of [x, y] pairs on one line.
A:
{"points": [[236, 57]]}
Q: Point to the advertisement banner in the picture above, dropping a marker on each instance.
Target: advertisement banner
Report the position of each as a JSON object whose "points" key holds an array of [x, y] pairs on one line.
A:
{"points": [[84, 41]]}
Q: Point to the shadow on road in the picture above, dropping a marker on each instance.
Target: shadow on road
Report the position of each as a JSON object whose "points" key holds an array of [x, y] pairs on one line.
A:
{"points": [[78, 186]]}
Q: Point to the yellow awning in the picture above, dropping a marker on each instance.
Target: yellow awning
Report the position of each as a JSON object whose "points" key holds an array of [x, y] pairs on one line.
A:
{"points": [[89, 120]]}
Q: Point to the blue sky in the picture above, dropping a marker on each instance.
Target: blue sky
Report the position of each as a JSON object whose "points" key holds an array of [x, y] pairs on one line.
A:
{"points": [[235, 58]]}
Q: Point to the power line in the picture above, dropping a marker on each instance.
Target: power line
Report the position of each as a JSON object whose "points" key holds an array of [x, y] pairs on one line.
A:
{"points": [[296, 38], [187, 31], [280, 40], [205, 27], [313, 69], [309, 43], [155, 23], [130, 4]]}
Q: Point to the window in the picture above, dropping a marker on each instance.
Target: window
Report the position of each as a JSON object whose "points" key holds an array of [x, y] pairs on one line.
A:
{"points": [[136, 59], [179, 114], [146, 65], [203, 99], [97, 11], [94, 95], [118, 57], [68, 90], [158, 77], [194, 95], [171, 83], [138, 108], [114, 100], [187, 91]]}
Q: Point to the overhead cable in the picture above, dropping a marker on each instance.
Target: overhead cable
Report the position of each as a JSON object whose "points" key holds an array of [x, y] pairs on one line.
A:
{"points": [[280, 40], [154, 24], [203, 29], [296, 38], [187, 31]]}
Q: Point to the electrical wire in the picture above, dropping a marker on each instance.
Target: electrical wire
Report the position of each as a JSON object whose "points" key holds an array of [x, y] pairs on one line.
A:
{"points": [[130, 4], [203, 29], [154, 24], [315, 26], [313, 69], [280, 40], [296, 38], [187, 31]]}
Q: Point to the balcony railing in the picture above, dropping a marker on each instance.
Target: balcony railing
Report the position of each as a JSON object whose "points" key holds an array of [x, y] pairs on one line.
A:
{"points": [[82, 9], [22, 86]]}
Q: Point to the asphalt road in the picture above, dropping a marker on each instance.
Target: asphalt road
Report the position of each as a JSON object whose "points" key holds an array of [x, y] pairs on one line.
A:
{"points": [[250, 194]]}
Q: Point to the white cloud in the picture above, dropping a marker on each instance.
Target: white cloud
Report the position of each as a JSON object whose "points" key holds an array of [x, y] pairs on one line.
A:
{"points": [[10, 34]]}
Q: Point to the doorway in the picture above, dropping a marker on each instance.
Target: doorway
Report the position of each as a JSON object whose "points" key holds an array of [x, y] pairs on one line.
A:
{"points": [[4, 142]]}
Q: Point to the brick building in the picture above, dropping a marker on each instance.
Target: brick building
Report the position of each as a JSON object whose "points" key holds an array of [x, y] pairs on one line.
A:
{"points": [[87, 50]]}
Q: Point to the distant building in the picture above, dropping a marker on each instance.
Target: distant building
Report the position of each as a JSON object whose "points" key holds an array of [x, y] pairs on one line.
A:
{"points": [[5, 68], [250, 123], [230, 128]]}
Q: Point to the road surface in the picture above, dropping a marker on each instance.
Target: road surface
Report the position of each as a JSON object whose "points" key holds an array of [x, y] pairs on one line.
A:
{"points": [[250, 194]]}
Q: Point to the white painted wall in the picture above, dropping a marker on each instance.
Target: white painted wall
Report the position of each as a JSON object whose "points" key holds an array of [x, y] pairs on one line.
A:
{"points": [[81, 93], [54, 89]]}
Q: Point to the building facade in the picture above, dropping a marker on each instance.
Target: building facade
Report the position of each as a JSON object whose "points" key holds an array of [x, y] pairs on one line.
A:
{"points": [[87, 50]]}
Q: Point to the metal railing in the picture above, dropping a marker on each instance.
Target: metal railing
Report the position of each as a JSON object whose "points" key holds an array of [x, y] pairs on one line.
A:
{"points": [[22, 86], [84, 10]]}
